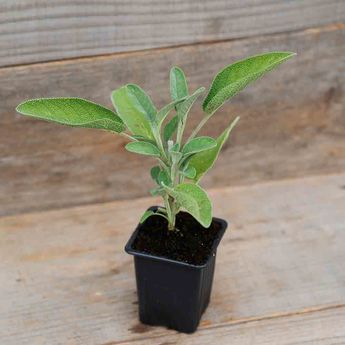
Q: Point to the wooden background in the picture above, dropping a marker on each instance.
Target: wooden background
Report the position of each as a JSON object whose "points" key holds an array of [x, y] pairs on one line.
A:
{"points": [[292, 120]]}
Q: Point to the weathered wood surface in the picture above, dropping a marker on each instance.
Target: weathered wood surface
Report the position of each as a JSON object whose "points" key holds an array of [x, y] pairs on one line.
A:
{"points": [[292, 120], [311, 327], [65, 279], [52, 30]]}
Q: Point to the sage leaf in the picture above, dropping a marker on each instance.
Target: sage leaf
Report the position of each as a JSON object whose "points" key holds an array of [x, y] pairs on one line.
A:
{"points": [[170, 128], [162, 210], [185, 106], [141, 138], [178, 84], [194, 200], [146, 215], [176, 155], [75, 112], [233, 78], [198, 144], [189, 172], [154, 172], [163, 178], [203, 161], [175, 148], [143, 148], [143, 101], [164, 112], [135, 109]]}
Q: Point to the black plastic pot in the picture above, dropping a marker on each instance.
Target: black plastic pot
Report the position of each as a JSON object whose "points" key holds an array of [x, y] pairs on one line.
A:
{"points": [[173, 293]]}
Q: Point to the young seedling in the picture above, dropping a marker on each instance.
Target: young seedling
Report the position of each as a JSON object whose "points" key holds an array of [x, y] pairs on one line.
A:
{"points": [[181, 162]]}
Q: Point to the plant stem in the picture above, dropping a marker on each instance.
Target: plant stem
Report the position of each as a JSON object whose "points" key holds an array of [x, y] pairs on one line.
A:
{"points": [[160, 144], [127, 136], [199, 126], [179, 134], [171, 216]]}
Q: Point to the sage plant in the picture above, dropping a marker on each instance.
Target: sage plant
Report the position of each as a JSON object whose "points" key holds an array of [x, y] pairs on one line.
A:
{"points": [[181, 161]]}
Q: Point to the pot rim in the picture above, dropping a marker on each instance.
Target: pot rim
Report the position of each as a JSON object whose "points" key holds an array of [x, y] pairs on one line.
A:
{"points": [[131, 251]]}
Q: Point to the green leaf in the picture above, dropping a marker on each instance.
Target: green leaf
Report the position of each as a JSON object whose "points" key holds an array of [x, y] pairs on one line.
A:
{"points": [[142, 101], [163, 178], [189, 172], [199, 144], [143, 148], [170, 128], [164, 112], [162, 210], [233, 78], [141, 138], [135, 109], [155, 172], [178, 84], [194, 200], [146, 215], [175, 148], [186, 105], [203, 161], [75, 112]]}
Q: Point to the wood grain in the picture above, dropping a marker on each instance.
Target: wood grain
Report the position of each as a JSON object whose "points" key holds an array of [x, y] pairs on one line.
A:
{"points": [[292, 121], [57, 29], [317, 328], [64, 277]]}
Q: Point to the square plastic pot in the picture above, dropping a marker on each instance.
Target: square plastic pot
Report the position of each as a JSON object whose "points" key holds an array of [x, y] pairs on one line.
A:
{"points": [[172, 293]]}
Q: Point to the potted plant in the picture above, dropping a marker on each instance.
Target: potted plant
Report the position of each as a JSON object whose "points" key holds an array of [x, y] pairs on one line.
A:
{"points": [[174, 246]]}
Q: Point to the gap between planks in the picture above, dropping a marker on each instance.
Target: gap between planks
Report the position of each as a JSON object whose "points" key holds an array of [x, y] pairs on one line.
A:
{"points": [[144, 199]]}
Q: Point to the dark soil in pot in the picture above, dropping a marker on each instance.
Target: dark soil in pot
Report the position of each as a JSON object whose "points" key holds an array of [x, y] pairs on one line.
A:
{"points": [[190, 243]]}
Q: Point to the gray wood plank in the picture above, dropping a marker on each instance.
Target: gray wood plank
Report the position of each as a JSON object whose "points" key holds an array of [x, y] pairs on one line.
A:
{"points": [[292, 121], [325, 327], [65, 279], [56, 29]]}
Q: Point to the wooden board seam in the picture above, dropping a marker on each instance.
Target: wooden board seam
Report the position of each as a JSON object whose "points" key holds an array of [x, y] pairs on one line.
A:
{"points": [[77, 167], [155, 199]]}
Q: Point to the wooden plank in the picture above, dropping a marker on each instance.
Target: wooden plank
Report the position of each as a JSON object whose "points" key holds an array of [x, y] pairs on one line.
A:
{"points": [[66, 279], [292, 121], [56, 29], [316, 328]]}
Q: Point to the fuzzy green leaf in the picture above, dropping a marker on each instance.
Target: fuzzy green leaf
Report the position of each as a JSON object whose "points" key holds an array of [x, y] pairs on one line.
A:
{"points": [[163, 178], [164, 112], [189, 172], [146, 215], [143, 148], [141, 138], [185, 106], [194, 200], [199, 144], [142, 101], [170, 128], [135, 109], [155, 172], [75, 112], [178, 84], [233, 78], [175, 148], [203, 161]]}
